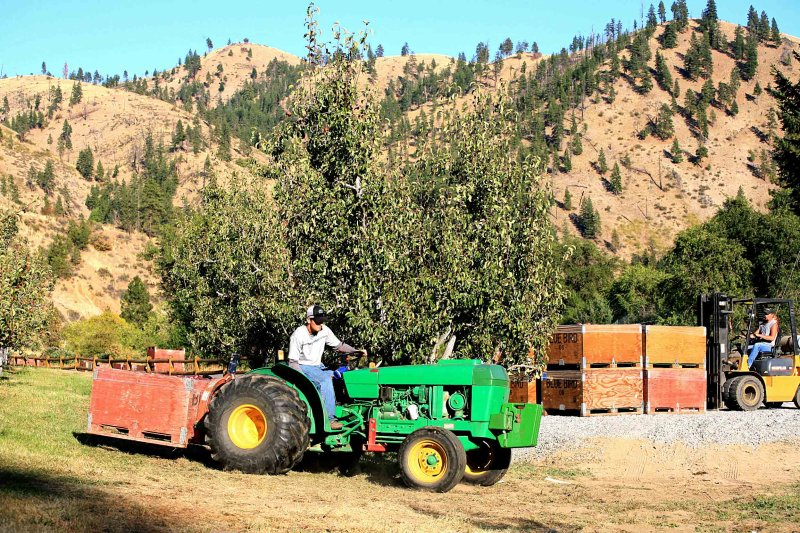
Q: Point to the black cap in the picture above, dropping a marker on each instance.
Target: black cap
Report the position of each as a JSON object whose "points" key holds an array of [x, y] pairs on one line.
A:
{"points": [[768, 311], [316, 313]]}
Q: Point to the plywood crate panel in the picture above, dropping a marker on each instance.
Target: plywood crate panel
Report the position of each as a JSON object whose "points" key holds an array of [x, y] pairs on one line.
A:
{"points": [[588, 345], [675, 346], [523, 391], [675, 390], [144, 407], [593, 391]]}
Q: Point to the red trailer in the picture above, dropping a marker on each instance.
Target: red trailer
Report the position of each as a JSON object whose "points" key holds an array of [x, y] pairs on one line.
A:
{"points": [[151, 408]]}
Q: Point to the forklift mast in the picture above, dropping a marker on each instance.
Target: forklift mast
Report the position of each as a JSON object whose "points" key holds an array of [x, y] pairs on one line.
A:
{"points": [[713, 312]]}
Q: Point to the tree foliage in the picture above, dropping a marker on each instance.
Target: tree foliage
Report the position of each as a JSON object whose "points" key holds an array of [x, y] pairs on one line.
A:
{"points": [[25, 285], [135, 303]]}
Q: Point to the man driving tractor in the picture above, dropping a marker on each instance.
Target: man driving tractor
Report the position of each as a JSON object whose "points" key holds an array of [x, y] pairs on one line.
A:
{"points": [[306, 346]]}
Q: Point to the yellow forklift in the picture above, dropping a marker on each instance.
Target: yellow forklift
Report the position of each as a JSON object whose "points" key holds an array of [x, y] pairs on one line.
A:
{"points": [[774, 377]]}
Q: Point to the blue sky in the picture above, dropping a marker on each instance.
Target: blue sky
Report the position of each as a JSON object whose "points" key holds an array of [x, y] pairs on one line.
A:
{"points": [[147, 34]]}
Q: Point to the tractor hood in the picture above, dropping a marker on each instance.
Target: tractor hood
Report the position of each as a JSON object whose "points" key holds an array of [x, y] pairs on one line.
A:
{"points": [[365, 383]]}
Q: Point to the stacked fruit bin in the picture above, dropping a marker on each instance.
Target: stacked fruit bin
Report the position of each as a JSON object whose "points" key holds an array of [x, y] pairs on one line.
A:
{"points": [[675, 369], [594, 370]]}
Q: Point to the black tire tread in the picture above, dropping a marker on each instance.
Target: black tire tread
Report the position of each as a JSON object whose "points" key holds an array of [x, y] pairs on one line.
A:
{"points": [[736, 388], [288, 434], [495, 472]]}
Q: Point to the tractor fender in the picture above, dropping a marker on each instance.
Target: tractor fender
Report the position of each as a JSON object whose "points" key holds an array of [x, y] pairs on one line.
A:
{"points": [[305, 389]]}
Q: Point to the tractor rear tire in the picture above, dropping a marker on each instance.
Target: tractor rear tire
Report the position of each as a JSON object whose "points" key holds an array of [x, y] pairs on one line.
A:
{"points": [[258, 425], [432, 459], [488, 464], [745, 393]]}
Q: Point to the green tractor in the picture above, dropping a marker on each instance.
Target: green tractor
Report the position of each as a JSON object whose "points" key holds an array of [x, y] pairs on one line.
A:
{"points": [[447, 421]]}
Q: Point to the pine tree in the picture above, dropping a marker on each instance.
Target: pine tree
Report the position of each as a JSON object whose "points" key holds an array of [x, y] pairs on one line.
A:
{"points": [[662, 12], [709, 25], [44, 66], [676, 152], [13, 190], [224, 149], [663, 74], [776, 33], [664, 126], [680, 15], [787, 148], [66, 135], [100, 172], [750, 66], [77, 94], [616, 180], [738, 46], [577, 144], [46, 178], [567, 199], [379, 51], [567, 161], [669, 39], [404, 51], [602, 165], [764, 34], [178, 136], [652, 21], [135, 303], [85, 163], [209, 44], [589, 219]]}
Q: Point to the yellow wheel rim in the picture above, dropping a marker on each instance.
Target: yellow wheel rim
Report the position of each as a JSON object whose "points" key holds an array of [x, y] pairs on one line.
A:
{"points": [[427, 461], [247, 426]]}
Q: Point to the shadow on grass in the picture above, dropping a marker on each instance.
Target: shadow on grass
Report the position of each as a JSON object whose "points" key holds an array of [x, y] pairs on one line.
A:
{"points": [[198, 454], [38, 500]]}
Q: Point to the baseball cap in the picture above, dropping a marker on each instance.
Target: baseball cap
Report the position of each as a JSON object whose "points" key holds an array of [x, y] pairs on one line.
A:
{"points": [[316, 313], [768, 311]]}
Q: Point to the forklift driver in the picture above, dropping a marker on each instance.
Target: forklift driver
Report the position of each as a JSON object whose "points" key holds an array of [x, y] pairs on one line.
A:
{"points": [[764, 337]]}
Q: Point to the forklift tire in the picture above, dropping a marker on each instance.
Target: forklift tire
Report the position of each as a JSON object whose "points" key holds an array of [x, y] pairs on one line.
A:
{"points": [[488, 464], [797, 398], [746, 393], [258, 425], [432, 459], [773, 405]]}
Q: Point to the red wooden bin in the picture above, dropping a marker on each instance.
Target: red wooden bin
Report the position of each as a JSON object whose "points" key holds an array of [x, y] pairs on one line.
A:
{"points": [[148, 407], [675, 390]]}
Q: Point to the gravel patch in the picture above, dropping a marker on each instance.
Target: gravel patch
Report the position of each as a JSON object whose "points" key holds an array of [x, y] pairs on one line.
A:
{"points": [[694, 430]]}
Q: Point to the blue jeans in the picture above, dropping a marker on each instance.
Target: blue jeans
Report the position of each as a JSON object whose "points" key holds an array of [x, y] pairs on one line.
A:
{"points": [[323, 381], [758, 348]]}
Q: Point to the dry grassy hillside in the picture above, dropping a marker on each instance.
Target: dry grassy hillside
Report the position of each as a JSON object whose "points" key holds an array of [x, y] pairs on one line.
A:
{"points": [[237, 62], [114, 124], [653, 206]]}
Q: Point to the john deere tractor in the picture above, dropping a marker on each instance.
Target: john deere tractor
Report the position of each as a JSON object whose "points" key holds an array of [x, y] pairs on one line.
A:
{"points": [[446, 421]]}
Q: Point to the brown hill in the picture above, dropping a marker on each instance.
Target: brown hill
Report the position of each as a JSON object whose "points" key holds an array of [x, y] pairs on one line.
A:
{"points": [[659, 198], [114, 124]]}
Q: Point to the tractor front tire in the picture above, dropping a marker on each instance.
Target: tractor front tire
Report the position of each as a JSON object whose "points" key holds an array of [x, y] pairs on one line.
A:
{"points": [[258, 425], [487, 464], [745, 393], [432, 459]]}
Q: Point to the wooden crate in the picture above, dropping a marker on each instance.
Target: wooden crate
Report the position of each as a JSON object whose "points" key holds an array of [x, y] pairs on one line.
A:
{"points": [[593, 391], [524, 391], [592, 346], [145, 407], [674, 390], [162, 353], [674, 346]]}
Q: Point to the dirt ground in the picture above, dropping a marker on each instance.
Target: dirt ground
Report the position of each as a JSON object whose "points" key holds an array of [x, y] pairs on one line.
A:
{"points": [[53, 478]]}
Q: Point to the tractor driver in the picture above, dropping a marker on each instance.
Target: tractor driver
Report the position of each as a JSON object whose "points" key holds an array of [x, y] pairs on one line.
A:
{"points": [[306, 346], [764, 337]]}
